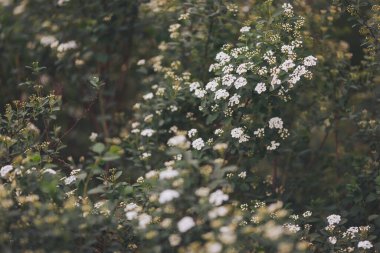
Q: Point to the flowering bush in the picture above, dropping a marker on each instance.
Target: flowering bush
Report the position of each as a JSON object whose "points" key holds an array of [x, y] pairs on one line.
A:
{"points": [[256, 131]]}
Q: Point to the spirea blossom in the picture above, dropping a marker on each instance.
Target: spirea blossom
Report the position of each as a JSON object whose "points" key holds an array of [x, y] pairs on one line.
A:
{"points": [[63, 47], [200, 93], [310, 61], [185, 224], [276, 122], [237, 132], [218, 197], [273, 145], [221, 94], [241, 69], [332, 239], [240, 82], [212, 85], [148, 96], [168, 174], [147, 132], [222, 57], [198, 144], [194, 86], [288, 64], [260, 88], [333, 219], [144, 220], [192, 132], [228, 80], [288, 9], [245, 29], [5, 170], [234, 100], [70, 179], [365, 244], [167, 196], [177, 141]]}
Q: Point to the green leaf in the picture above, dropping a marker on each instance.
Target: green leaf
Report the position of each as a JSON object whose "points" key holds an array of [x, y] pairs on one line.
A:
{"points": [[98, 148]]}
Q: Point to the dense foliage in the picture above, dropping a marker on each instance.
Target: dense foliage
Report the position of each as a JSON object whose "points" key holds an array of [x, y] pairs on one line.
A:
{"points": [[189, 126]]}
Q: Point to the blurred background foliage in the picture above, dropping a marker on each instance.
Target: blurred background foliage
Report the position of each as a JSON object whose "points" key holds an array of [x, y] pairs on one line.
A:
{"points": [[330, 163]]}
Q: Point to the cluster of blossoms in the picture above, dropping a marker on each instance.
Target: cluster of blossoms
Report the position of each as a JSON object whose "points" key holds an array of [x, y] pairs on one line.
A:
{"points": [[336, 235], [261, 68]]}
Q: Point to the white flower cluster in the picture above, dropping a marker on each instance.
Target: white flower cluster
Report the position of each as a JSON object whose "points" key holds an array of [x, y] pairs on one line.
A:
{"points": [[238, 133], [279, 68], [5, 170], [218, 197]]}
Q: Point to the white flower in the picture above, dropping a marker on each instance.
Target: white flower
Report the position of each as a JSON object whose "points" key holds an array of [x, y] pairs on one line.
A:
{"points": [[228, 80], [297, 74], [286, 65], [200, 93], [228, 69], [148, 96], [218, 132], [310, 61], [141, 62], [185, 224], [212, 85], [144, 220], [131, 211], [213, 247], [50, 171], [70, 179], [244, 138], [260, 88], [174, 27], [174, 240], [292, 228], [62, 2], [351, 232], [237, 132], [178, 141], [194, 86], [234, 100], [259, 132], [131, 215], [276, 122], [242, 174], [365, 244], [192, 132], [216, 198], [93, 136], [48, 40], [130, 207], [151, 174], [240, 82], [333, 219], [145, 155], [245, 29], [273, 145], [288, 9], [67, 46], [218, 212], [198, 144], [222, 57], [5, 170], [168, 174], [221, 94], [307, 214], [202, 192], [241, 69], [147, 132], [167, 196], [332, 239]]}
